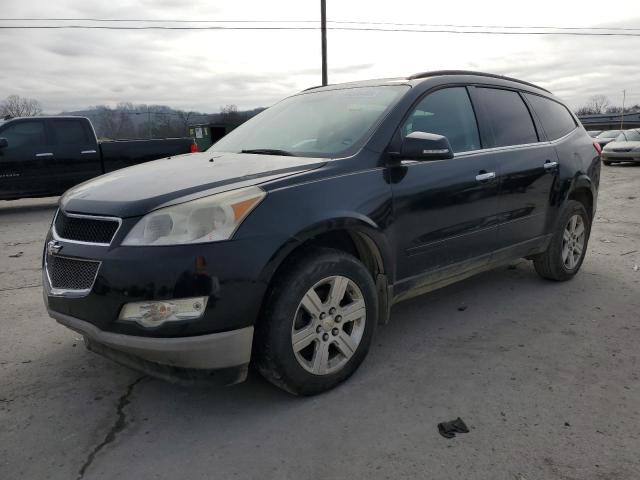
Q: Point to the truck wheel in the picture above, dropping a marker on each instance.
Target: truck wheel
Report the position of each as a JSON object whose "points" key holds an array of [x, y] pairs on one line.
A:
{"points": [[568, 246], [320, 316]]}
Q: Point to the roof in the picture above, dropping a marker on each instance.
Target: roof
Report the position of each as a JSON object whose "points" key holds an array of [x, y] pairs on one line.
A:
{"points": [[418, 77], [40, 117]]}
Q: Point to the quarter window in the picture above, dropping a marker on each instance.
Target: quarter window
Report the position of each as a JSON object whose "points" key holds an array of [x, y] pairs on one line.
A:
{"points": [[555, 118], [447, 112], [509, 117]]}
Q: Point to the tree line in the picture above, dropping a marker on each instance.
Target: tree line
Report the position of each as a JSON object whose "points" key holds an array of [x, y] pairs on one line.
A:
{"points": [[129, 121], [600, 104]]}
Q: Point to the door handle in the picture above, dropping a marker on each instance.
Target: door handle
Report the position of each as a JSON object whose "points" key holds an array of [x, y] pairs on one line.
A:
{"points": [[87, 152], [46, 154], [483, 177], [548, 165]]}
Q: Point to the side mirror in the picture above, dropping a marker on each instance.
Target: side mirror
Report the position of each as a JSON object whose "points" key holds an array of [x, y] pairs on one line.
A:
{"points": [[4, 143], [426, 146]]}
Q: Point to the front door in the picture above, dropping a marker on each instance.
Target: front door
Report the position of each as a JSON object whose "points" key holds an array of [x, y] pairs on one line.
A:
{"points": [[445, 211], [25, 164]]}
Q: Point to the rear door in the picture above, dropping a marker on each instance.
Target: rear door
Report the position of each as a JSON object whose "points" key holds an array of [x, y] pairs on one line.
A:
{"points": [[75, 151], [528, 167], [445, 210], [25, 165]]}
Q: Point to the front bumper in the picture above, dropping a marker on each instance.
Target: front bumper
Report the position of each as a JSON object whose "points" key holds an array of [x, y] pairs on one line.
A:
{"points": [[175, 359], [610, 156]]}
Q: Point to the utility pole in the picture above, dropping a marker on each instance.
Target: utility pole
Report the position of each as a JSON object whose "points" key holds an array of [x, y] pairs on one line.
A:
{"points": [[323, 30], [149, 120], [624, 97]]}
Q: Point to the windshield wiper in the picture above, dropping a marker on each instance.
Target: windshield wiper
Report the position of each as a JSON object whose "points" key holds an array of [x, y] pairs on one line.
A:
{"points": [[268, 151]]}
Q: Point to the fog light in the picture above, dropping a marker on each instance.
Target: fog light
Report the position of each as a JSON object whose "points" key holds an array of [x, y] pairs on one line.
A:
{"points": [[154, 314]]}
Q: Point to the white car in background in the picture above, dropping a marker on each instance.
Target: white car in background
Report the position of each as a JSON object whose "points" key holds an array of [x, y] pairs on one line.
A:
{"points": [[624, 148]]}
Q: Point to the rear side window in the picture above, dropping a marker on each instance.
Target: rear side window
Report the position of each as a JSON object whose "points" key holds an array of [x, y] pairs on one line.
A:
{"points": [[509, 117], [70, 132], [25, 134], [555, 118], [446, 112]]}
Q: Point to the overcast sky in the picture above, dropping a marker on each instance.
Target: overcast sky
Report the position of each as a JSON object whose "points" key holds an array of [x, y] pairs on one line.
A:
{"points": [[203, 70]]}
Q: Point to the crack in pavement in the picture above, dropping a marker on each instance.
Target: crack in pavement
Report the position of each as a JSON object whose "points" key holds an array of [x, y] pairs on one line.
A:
{"points": [[8, 289], [119, 425]]}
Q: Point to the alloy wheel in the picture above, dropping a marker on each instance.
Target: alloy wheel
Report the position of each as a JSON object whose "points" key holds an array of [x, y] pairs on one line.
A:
{"points": [[328, 325], [573, 242]]}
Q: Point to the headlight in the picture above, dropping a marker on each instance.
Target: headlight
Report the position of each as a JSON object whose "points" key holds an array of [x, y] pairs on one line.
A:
{"points": [[207, 219]]}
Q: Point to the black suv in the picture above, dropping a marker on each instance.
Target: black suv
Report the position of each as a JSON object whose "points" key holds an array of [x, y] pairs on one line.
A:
{"points": [[287, 242]]}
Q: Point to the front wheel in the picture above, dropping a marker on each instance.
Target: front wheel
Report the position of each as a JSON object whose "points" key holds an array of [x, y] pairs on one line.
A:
{"points": [[568, 246], [318, 322]]}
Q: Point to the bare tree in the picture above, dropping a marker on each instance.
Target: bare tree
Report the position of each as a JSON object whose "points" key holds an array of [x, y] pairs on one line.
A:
{"points": [[229, 114], [598, 103], [16, 106], [184, 118]]}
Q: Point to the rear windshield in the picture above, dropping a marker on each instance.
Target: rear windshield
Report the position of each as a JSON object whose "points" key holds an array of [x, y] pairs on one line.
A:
{"points": [[330, 123]]}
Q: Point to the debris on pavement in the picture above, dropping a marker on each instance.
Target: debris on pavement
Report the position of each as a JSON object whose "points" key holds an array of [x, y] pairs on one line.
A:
{"points": [[449, 429], [462, 308], [628, 253], [636, 268], [16, 255]]}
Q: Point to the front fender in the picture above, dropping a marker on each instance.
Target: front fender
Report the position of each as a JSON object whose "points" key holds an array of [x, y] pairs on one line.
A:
{"points": [[354, 224]]}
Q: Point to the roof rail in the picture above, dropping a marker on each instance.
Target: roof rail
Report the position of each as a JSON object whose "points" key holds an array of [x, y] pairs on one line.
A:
{"points": [[437, 73]]}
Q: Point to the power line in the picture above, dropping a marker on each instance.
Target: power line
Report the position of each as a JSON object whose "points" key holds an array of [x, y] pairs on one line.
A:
{"points": [[337, 22], [354, 29]]}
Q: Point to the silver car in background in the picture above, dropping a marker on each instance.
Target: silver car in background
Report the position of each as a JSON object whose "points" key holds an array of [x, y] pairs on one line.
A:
{"points": [[624, 148], [607, 136]]}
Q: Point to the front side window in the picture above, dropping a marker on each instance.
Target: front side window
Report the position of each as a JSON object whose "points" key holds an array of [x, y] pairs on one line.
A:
{"points": [[555, 118], [446, 112], [325, 123], [25, 134], [508, 116]]}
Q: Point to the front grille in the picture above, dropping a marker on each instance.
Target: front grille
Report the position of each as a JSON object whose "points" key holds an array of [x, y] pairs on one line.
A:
{"points": [[71, 274], [85, 228], [621, 150]]}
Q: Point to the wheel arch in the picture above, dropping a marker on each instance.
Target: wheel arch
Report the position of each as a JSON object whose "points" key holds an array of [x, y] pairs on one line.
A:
{"points": [[355, 235], [582, 191]]}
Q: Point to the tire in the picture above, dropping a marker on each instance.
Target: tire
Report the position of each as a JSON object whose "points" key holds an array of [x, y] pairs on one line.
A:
{"points": [[322, 363], [556, 263], [607, 163]]}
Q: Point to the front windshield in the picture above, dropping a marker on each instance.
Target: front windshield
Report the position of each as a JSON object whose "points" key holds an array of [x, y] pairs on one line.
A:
{"points": [[329, 123], [629, 136], [609, 134]]}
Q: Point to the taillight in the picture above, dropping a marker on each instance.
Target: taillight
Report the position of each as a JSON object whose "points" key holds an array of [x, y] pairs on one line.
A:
{"points": [[194, 147], [598, 147]]}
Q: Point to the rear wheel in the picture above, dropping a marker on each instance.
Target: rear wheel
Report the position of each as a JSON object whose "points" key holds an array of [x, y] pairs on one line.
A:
{"points": [[568, 246], [318, 322], [607, 163]]}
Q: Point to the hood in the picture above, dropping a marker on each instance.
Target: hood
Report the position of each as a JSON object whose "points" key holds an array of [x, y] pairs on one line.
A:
{"points": [[623, 146], [137, 190]]}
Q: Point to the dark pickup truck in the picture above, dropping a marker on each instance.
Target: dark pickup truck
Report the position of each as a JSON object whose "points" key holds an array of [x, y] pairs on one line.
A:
{"points": [[45, 156]]}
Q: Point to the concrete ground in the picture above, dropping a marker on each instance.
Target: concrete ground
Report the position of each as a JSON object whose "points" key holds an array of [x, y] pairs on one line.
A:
{"points": [[546, 375]]}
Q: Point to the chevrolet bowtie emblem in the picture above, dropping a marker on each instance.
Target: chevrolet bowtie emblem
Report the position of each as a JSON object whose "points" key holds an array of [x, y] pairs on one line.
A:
{"points": [[53, 247]]}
